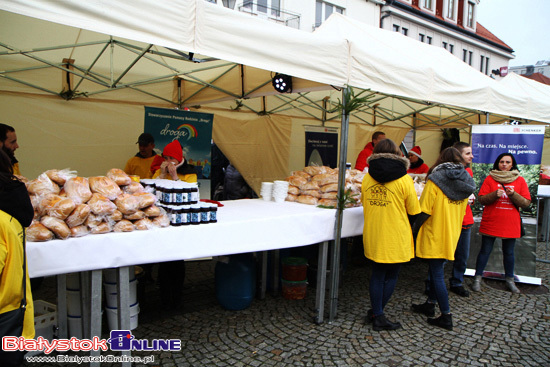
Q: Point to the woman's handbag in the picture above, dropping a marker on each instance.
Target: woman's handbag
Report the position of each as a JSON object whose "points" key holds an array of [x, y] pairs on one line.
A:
{"points": [[11, 323]]}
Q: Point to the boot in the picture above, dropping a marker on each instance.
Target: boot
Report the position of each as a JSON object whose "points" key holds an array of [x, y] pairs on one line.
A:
{"points": [[370, 317], [445, 321], [476, 285], [425, 308], [381, 323], [511, 285]]}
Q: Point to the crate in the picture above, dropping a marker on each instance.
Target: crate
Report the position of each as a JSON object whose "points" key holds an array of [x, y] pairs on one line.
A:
{"points": [[45, 319]]}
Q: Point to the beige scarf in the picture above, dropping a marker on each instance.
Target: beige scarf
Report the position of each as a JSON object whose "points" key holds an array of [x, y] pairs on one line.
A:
{"points": [[504, 177]]}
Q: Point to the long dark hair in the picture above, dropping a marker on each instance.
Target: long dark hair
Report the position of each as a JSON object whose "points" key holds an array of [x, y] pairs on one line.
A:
{"points": [[386, 146], [514, 164], [448, 155]]}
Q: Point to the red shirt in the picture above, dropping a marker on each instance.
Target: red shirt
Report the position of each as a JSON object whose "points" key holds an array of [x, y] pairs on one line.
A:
{"points": [[420, 169], [468, 217], [361, 161], [501, 218]]}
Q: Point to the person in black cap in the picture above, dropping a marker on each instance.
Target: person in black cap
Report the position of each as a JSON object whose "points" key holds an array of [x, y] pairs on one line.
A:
{"points": [[140, 164]]}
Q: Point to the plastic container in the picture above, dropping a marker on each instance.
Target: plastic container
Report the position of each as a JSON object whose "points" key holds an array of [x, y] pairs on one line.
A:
{"points": [[45, 319], [73, 281], [112, 317], [75, 326], [111, 295], [73, 303], [236, 282], [109, 275], [294, 268], [294, 290]]}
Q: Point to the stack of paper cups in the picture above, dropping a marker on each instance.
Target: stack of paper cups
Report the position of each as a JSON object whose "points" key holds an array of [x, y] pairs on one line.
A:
{"points": [[266, 190], [280, 191]]}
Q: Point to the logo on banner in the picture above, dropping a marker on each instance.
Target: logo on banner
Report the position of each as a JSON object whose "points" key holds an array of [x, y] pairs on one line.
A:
{"points": [[124, 340], [185, 131]]}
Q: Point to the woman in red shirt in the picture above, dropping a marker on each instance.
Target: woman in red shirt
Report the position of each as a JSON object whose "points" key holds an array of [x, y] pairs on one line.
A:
{"points": [[503, 192]]}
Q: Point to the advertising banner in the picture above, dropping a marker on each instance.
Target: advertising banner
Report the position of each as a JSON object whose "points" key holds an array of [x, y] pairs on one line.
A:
{"points": [[525, 143], [321, 146], [192, 129]]}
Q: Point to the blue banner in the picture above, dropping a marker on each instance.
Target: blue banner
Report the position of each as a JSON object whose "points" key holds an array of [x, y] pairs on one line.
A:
{"points": [[192, 129], [524, 142], [321, 146]]}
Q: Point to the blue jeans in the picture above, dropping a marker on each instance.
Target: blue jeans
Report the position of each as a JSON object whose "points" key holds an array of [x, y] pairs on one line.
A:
{"points": [[487, 243], [382, 284], [461, 258], [438, 289]]}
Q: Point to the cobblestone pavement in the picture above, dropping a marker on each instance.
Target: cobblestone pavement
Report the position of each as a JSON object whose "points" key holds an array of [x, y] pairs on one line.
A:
{"points": [[492, 328]]}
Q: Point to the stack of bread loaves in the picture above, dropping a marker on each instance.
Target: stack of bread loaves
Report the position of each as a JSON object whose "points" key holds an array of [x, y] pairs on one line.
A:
{"points": [[316, 185], [66, 205]]}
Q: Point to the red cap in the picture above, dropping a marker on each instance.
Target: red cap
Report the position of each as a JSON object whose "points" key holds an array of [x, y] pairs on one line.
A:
{"points": [[173, 150], [416, 151]]}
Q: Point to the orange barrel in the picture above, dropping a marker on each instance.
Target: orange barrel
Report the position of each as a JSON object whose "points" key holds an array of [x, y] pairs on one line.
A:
{"points": [[294, 269]]}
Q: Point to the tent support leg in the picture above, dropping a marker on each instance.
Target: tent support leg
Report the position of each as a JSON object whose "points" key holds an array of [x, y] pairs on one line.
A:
{"points": [[335, 264]]}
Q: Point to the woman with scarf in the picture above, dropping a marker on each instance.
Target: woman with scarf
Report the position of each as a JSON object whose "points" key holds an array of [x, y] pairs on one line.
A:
{"points": [[388, 197], [16, 213], [443, 204], [503, 192]]}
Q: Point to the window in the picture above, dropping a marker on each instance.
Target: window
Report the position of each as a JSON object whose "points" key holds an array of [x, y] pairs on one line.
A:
{"points": [[427, 4], [464, 54], [481, 63], [323, 10], [429, 40], [486, 65], [404, 31], [450, 9], [421, 37], [451, 49], [470, 56], [262, 6], [395, 28], [444, 45], [470, 19]]}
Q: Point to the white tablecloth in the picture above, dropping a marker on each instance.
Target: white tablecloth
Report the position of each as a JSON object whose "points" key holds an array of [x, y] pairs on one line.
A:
{"points": [[243, 226]]}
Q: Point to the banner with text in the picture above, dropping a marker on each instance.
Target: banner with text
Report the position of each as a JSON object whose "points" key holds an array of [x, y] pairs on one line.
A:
{"points": [[321, 146], [525, 143], [192, 129]]}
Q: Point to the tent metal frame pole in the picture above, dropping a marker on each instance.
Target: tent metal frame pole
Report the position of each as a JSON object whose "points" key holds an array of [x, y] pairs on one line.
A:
{"points": [[487, 118], [335, 262]]}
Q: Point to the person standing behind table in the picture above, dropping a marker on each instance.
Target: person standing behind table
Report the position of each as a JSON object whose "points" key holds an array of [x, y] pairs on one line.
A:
{"points": [[417, 163], [502, 193], [388, 197], [361, 161], [175, 166], [171, 274], [443, 203], [462, 252], [140, 164], [9, 145], [16, 213]]}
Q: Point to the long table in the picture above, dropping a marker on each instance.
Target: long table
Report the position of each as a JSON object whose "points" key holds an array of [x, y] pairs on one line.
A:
{"points": [[249, 225]]}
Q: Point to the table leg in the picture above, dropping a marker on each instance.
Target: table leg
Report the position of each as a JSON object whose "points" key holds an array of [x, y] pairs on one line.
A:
{"points": [[321, 282], [275, 267], [62, 330], [123, 299], [263, 272], [95, 310], [85, 304]]}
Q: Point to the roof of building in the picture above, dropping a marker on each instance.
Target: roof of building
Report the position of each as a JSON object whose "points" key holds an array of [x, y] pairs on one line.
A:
{"points": [[538, 77], [485, 33]]}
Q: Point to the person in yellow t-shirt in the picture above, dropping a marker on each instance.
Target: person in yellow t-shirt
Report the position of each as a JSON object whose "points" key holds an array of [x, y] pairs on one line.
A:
{"points": [[140, 164], [443, 204], [8, 143], [16, 213], [388, 197]]}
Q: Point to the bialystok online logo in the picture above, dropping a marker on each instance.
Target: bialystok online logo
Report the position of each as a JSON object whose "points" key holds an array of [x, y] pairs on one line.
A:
{"points": [[120, 340]]}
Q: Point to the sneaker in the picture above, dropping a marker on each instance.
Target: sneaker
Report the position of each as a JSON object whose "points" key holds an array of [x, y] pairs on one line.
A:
{"points": [[381, 323], [460, 290], [369, 317], [425, 308], [443, 321]]}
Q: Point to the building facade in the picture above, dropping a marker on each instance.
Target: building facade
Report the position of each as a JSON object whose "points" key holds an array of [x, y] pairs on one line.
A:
{"points": [[541, 67]]}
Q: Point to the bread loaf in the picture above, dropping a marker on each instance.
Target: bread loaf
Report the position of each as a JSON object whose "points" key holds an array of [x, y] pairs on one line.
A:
{"points": [[143, 224], [332, 195], [294, 190], [93, 220], [42, 185], [102, 227], [325, 179], [57, 226], [307, 199], [296, 180], [145, 199], [46, 202], [328, 202], [161, 221], [100, 205], [38, 233], [116, 216], [133, 188], [329, 188], [127, 204], [79, 231], [119, 177], [315, 170], [62, 208], [152, 211], [104, 186], [60, 176], [123, 226], [314, 193], [140, 214], [291, 197], [78, 190], [78, 216]]}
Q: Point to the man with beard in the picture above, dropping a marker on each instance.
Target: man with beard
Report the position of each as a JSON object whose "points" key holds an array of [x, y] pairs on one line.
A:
{"points": [[8, 143], [417, 164]]}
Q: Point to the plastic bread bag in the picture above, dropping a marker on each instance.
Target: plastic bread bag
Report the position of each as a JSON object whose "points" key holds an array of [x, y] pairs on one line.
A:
{"points": [[79, 231], [60, 176], [104, 186], [37, 232], [133, 188], [123, 226], [127, 204], [100, 205], [103, 227], [143, 224], [42, 185], [145, 199], [57, 226], [78, 216], [62, 208], [45, 202], [119, 177], [78, 189]]}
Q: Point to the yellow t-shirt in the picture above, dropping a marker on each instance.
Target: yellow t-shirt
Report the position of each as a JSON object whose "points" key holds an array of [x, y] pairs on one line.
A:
{"points": [[439, 234], [11, 272], [139, 166], [16, 170], [190, 177], [387, 234]]}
